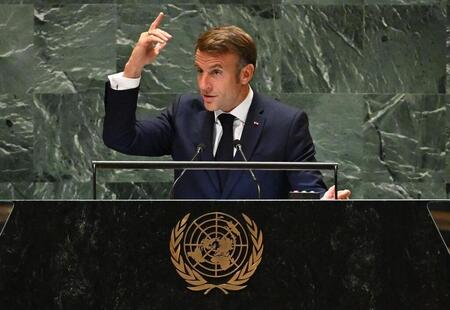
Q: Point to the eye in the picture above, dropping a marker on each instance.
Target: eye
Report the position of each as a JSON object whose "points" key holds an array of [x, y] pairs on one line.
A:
{"points": [[216, 72], [199, 70]]}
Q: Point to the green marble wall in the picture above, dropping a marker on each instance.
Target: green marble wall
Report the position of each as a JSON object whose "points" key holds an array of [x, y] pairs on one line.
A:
{"points": [[372, 76]]}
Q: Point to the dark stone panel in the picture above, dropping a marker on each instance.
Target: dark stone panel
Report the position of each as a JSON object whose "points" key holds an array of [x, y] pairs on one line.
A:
{"points": [[68, 137], [390, 189], [404, 2], [77, 2], [324, 2], [16, 138], [5, 191], [174, 71], [404, 49], [238, 1], [136, 190], [16, 49], [404, 151], [75, 46], [335, 122], [447, 154], [16, 2], [71, 189], [47, 190], [322, 48], [58, 2], [138, 2], [16, 29], [137, 185], [201, 2], [27, 190], [316, 255], [131, 185], [152, 2], [448, 49], [55, 2]]}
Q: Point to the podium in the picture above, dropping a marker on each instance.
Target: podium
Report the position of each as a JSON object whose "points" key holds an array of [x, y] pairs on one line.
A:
{"points": [[298, 255]]}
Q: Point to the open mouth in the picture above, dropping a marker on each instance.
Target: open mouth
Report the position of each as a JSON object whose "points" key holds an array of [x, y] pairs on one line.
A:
{"points": [[208, 97]]}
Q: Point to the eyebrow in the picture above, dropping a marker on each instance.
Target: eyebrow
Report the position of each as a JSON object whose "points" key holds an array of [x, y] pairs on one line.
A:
{"points": [[213, 67]]}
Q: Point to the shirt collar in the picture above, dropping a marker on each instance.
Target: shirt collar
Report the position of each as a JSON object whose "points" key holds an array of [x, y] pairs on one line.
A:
{"points": [[241, 111]]}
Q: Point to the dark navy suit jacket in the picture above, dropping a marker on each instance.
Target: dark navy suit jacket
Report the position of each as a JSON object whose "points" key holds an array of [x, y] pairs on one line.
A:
{"points": [[272, 132]]}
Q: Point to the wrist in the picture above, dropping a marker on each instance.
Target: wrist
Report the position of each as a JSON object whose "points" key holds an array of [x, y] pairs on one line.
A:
{"points": [[131, 71]]}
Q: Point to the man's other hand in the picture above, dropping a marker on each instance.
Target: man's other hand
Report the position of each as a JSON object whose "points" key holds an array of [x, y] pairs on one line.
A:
{"points": [[150, 44], [342, 195]]}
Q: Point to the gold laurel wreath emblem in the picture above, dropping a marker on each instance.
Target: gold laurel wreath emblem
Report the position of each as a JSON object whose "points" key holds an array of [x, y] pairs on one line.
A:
{"points": [[196, 280]]}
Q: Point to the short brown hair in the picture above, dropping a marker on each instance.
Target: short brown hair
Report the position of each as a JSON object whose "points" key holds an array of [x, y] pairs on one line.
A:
{"points": [[226, 39]]}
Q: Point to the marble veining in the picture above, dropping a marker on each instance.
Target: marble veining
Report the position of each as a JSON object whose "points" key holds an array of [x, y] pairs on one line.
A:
{"points": [[318, 44], [16, 143], [404, 49], [372, 76], [76, 41], [401, 142]]}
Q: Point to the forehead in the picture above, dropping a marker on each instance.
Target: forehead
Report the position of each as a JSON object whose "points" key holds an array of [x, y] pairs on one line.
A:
{"points": [[204, 59]]}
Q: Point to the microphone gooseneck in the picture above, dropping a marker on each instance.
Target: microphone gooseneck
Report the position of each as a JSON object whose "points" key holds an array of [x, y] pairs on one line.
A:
{"points": [[200, 148], [237, 144]]}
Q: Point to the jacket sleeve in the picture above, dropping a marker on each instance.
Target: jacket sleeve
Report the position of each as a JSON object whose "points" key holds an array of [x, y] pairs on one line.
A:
{"points": [[123, 133], [300, 148]]}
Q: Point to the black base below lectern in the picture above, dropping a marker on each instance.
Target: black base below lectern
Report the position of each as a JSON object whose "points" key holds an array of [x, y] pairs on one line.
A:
{"points": [[307, 255]]}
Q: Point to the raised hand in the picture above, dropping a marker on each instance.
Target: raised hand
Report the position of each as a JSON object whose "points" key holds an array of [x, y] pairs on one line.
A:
{"points": [[147, 49]]}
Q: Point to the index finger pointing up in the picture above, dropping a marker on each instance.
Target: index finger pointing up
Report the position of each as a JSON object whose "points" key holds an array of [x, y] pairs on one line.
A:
{"points": [[157, 21]]}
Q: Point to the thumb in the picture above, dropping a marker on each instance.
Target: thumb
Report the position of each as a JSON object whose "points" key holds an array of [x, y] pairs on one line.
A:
{"points": [[329, 194]]}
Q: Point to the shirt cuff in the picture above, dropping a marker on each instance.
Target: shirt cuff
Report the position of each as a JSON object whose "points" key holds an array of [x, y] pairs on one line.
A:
{"points": [[119, 82]]}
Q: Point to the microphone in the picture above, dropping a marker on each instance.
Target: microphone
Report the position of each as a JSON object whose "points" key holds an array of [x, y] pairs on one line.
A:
{"points": [[237, 144], [200, 148]]}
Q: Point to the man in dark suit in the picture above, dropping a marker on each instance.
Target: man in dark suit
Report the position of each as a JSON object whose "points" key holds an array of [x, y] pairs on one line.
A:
{"points": [[225, 110]]}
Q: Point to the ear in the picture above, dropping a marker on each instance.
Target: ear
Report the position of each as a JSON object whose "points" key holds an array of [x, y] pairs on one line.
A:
{"points": [[246, 74]]}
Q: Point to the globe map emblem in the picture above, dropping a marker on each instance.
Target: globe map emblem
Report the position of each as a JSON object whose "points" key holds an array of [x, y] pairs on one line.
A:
{"points": [[216, 245]]}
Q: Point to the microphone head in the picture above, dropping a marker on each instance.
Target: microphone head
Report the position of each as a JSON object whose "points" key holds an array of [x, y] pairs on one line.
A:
{"points": [[236, 143], [201, 147]]}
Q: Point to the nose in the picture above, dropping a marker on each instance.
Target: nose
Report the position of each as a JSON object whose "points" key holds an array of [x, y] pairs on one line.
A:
{"points": [[204, 83]]}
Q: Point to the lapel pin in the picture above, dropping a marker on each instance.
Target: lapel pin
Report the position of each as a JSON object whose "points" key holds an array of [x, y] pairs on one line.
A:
{"points": [[255, 123]]}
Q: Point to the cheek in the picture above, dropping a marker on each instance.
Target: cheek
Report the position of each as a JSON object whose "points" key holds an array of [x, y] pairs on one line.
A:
{"points": [[228, 85]]}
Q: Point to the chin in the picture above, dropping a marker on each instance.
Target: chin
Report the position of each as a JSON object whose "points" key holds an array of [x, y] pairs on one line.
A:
{"points": [[211, 107]]}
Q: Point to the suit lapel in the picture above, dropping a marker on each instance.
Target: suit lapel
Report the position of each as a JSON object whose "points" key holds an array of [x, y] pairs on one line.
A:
{"points": [[251, 134], [253, 127], [206, 124]]}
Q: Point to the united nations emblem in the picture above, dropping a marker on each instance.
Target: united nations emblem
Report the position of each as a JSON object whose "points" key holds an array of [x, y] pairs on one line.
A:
{"points": [[215, 251]]}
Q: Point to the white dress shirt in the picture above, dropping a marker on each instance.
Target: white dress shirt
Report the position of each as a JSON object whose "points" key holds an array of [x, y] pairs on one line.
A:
{"points": [[119, 82], [240, 112]]}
